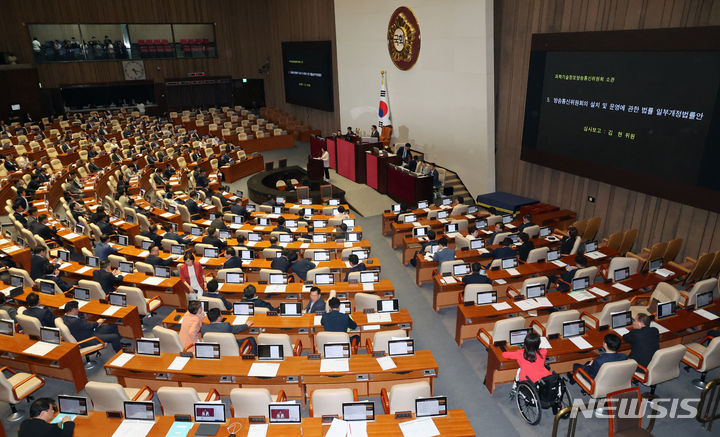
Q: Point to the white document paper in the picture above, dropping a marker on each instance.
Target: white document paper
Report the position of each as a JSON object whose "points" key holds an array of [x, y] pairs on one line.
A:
{"points": [[178, 363], [166, 215], [317, 320], [386, 363], [664, 272], [510, 226], [71, 235], [122, 360], [370, 327], [347, 264], [500, 281], [501, 306], [304, 245], [338, 428], [416, 224], [707, 314], [143, 254], [513, 272], [543, 302], [368, 287], [83, 269], [275, 288], [348, 244], [545, 343], [357, 429], [527, 304], [622, 287], [581, 343], [449, 280], [558, 263], [112, 309], [423, 427], [659, 327], [135, 428], [581, 295], [203, 260], [257, 430], [379, 318], [264, 369], [485, 231], [82, 303], [621, 331], [40, 348], [598, 291], [595, 255], [240, 320], [152, 280], [64, 266], [469, 216], [6, 291], [334, 365]]}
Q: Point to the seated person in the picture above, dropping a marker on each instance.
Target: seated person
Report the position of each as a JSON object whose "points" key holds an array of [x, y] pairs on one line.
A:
{"points": [[356, 265], [531, 359], [42, 412], [103, 249], [191, 323], [316, 303], [505, 251], [341, 213], [525, 247], [567, 243], [477, 276], [212, 291], [341, 235], [217, 325], [250, 297], [444, 253], [212, 238], [282, 262], [152, 233], [644, 340], [192, 206], [281, 226], [335, 321], [526, 222], [154, 258], [12, 311], [569, 274], [300, 266], [274, 243], [171, 235], [38, 261], [611, 345], [53, 274], [232, 260], [34, 309], [107, 279], [81, 329], [497, 228]]}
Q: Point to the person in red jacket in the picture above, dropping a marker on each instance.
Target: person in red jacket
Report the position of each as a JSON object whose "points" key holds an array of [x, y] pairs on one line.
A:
{"points": [[530, 358], [192, 275]]}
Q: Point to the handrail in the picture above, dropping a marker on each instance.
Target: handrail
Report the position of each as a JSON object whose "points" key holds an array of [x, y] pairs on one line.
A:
{"points": [[707, 410]]}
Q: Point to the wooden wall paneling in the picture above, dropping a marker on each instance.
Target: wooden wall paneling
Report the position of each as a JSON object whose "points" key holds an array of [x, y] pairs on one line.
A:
{"points": [[621, 209]]}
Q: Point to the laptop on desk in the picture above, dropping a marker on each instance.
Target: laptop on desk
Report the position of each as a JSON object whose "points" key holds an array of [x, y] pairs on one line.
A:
{"points": [[210, 416], [358, 411], [270, 352]]}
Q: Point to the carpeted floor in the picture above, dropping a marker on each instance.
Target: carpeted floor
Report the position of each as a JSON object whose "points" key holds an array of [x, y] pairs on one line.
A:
{"points": [[461, 370]]}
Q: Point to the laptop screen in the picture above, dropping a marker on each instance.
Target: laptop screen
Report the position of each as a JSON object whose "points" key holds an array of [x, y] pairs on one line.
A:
{"points": [[147, 346], [451, 227], [234, 277], [704, 299], [50, 335], [162, 271], [321, 255], [353, 237], [336, 350], [486, 297], [76, 405], [246, 255], [177, 249], [349, 222], [135, 410], [353, 411], [64, 255], [320, 238], [442, 215], [553, 255], [284, 413], [250, 207], [656, 264], [405, 346], [195, 231], [117, 299], [573, 328], [362, 254], [243, 309], [7, 327], [480, 224], [461, 269], [507, 219], [224, 234], [477, 244], [270, 352], [262, 221], [291, 309], [254, 236], [207, 351], [514, 238], [146, 244], [172, 209], [665, 309], [409, 218], [545, 231], [47, 287], [319, 223], [126, 266], [509, 263], [92, 261], [285, 238], [535, 290], [209, 412], [428, 407], [591, 246], [277, 279], [580, 283], [81, 293], [388, 306], [446, 201], [280, 200], [422, 204], [324, 279], [369, 277], [211, 252], [237, 219], [345, 307], [621, 319], [307, 212], [621, 274], [420, 231], [517, 336], [395, 208], [306, 201]]}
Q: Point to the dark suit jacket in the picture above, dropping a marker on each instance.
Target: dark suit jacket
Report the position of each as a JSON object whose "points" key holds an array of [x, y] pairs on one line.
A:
{"points": [[157, 261], [412, 165], [21, 218], [301, 267], [176, 237], [153, 236], [232, 263], [503, 252], [64, 286], [522, 226], [335, 321], [281, 263], [40, 428], [43, 314], [215, 241], [80, 328], [106, 280], [567, 276], [238, 210], [315, 307], [476, 278], [524, 250], [601, 359], [643, 344], [358, 268], [192, 207], [105, 227], [567, 245], [259, 303], [282, 229], [37, 266], [223, 327]]}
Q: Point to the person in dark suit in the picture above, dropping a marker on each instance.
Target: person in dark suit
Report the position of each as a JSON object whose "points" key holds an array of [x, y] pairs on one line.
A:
{"points": [[238, 209], [611, 344], [405, 154], [92, 167], [568, 242], [217, 325], [81, 329], [356, 266], [11, 310], [281, 226], [644, 340], [435, 175], [219, 224], [505, 251], [38, 261], [232, 261], [525, 247], [316, 301], [499, 227], [103, 249], [444, 253], [171, 235], [374, 132], [250, 297], [33, 185], [282, 262], [154, 258], [42, 411], [274, 243], [476, 277], [53, 274], [104, 224], [300, 266], [335, 321], [526, 222], [192, 206], [212, 238], [569, 274], [412, 165], [20, 198], [152, 233], [39, 312], [18, 214], [107, 279], [212, 291]]}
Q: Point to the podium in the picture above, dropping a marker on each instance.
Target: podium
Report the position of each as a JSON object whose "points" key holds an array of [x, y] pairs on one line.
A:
{"points": [[351, 159], [377, 165], [315, 169], [408, 186]]}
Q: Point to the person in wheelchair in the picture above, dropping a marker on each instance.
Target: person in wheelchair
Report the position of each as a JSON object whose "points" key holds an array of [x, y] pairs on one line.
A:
{"points": [[530, 358]]}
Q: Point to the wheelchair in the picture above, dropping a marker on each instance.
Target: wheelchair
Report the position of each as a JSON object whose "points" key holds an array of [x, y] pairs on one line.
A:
{"points": [[549, 392]]}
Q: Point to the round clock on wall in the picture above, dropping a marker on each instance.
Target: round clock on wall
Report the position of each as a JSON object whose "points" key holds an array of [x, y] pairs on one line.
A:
{"points": [[134, 70]]}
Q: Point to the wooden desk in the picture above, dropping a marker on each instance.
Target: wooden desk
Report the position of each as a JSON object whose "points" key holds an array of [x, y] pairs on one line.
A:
{"points": [[377, 165], [297, 376], [241, 169], [304, 328], [128, 319], [21, 255], [408, 187], [63, 362], [401, 230], [299, 292], [455, 423]]}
